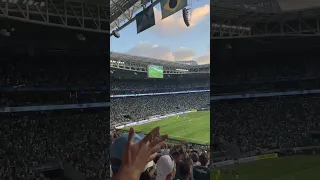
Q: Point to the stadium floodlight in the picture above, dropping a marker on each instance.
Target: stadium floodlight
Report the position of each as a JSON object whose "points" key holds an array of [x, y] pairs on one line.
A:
{"points": [[115, 34], [4, 32]]}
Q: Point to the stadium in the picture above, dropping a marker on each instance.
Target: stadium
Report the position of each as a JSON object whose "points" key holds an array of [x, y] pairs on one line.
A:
{"points": [[147, 92], [54, 90], [264, 90]]}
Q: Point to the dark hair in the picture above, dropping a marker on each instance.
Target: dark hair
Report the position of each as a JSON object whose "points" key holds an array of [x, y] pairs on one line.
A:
{"points": [[188, 159], [145, 176], [194, 157], [184, 170], [203, 159], [157, 158], [175, 154]]}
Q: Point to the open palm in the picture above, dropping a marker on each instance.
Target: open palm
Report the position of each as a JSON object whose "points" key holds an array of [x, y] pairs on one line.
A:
{"points": [[140, 154]]}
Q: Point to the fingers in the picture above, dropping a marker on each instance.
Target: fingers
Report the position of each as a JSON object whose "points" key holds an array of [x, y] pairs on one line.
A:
{"points": [[131, 136], [158, 139], [153, 156], [151, 134], [156, 148]]}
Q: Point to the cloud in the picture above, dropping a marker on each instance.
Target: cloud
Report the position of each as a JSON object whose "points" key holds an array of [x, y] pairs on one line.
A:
{"points": [[152, 50], [148, 49], [204, 59], [174, 24], [183, 54]]}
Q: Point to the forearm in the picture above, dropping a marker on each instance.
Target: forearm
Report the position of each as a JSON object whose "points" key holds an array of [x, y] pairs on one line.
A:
{"points": [[126, 174]]}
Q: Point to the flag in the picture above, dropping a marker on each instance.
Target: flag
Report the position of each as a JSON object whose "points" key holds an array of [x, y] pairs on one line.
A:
{"points": [[145, 19], [169, 7]]}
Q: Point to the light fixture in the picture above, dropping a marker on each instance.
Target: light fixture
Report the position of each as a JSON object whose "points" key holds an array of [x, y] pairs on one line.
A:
{"points": [[115, 34]]}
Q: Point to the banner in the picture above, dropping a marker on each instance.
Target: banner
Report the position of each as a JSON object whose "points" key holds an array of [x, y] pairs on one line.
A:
{"points": [[267, 156], [145, 19], [223, 163], [169, 7]]}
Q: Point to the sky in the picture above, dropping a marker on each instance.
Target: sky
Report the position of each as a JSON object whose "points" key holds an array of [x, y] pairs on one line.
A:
{"points": [[170, 39]]}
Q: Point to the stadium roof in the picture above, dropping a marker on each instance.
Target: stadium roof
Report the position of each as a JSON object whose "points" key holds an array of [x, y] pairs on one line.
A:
{"points": [[119, 10], [246, 15], [125, 57], [98, 2]]}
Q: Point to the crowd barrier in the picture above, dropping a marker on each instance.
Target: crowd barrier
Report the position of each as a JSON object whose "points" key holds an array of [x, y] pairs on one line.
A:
{"points": [[155, 94], [53, 107], [309, 150], [244, 160], [152, 119]]}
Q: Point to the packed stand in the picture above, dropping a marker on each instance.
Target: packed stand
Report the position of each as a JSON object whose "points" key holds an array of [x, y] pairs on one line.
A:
{"points": [[267, 123], [267, 74], [78, 138], [140, 108], [268, 68], [177, 162], [128, 86], [10, 99], [32, 72]]}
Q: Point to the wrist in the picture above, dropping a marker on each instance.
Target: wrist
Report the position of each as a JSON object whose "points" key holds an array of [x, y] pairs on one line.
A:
{"points": [[128, 174]]}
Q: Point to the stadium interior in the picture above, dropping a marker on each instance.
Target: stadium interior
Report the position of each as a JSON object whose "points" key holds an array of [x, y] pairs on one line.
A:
{"points": [[54, 94], [264, 93]]}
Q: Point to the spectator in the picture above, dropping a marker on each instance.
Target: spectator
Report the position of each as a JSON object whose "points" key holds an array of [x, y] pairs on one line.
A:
{"points": [[166, 168], [130, 154], [185, 171], [202, 172], [28, 140]]}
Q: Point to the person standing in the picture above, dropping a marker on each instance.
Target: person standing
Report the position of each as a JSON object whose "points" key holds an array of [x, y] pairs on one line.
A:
{"points": [[202, 172]]}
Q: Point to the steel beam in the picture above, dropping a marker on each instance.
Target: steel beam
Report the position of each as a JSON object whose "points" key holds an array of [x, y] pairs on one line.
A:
{"points": [[69, 15], [298, 28]]}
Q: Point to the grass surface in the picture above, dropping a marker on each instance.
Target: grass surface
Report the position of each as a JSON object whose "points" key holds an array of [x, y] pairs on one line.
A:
{"points": [[192, 127], [285, 168]]}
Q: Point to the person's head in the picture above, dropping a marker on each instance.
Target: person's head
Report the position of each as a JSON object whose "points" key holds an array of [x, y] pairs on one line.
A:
{"points": [[203, 159], [149, 172], [165, 168], [176, 156], [185, 171], [117, 149], [194, 157]]}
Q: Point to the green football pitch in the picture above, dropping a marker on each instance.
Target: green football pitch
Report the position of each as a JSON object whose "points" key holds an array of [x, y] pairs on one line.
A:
{"points": [[192, 127], [284, 168]]}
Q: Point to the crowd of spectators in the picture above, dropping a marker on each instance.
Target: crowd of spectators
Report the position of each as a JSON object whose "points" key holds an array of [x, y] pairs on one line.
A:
{"points": [[10, 99], [78, 138], [178, 161], [267, 123], [268, 68], [267, 74], [187, 162], [140, 108], [119, 86], [24, 72]]}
